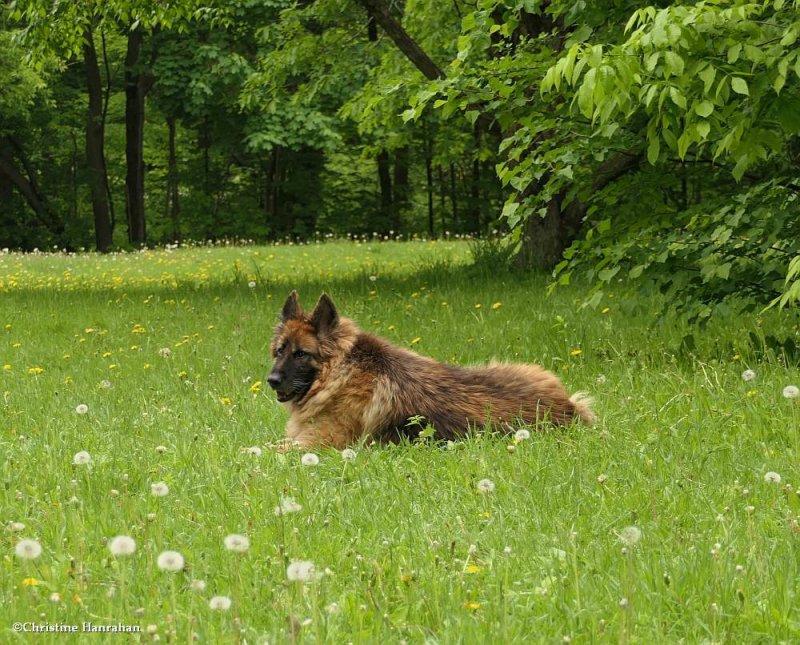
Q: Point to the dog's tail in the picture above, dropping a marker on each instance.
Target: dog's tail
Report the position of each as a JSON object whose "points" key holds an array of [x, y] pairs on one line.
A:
{"points": [[582, 403]]}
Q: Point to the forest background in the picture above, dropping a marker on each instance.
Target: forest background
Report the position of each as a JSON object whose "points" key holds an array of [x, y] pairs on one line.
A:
{"points": [[649, 144]]}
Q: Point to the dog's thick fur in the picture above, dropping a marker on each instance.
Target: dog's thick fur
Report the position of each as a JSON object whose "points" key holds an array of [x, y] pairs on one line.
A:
{"points": [[341, 385]]}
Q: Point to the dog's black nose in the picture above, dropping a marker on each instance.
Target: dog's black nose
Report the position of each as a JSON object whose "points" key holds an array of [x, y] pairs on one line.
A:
{"points": [[274, 380]]}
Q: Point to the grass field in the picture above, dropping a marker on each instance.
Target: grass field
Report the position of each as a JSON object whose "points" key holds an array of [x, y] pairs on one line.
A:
{"points": [[168, 351]]}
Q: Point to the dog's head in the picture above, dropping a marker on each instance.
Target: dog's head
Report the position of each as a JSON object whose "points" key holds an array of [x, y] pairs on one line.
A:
{"points": [[297, 346]]}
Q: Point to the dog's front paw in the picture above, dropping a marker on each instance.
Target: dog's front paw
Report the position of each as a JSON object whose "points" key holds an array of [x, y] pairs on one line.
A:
{"points": [[285, 445]]}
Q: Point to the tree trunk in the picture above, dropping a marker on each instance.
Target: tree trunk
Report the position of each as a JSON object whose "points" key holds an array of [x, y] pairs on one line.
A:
{"points": [[401, 190], [453, 196], [95, 143], [135, 90], [380, 13], [429, 177], [385, 182], [172, 183]]}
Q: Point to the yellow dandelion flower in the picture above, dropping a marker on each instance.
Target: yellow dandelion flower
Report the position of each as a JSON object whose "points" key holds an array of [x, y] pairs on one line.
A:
{"points": [[576, 352], [147, 366], [414, 341], [183, 374], [225, 400], [255, 388], [134, 347], [67, 380], [89, 330], [113, 366], [7, 367], [30, 582], [35, 370], [106, 354], [17, 345], [138, 329], [391, 328], [471, 604], [76, 599], [66, 357], [497, 305], [478, 306], [752, 392], [211, 327], [8, 326], [472, 568], [605, 310]]}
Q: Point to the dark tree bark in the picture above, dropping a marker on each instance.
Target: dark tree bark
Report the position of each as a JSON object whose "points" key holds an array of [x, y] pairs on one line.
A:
{"points": [[95, 144], [380, 14], [385, 182], [453, 196], [400, 189], [172, 182], [136, 87], [429, 178]]}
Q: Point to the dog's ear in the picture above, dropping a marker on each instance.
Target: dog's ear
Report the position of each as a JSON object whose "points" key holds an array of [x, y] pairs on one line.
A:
{"points": [[325, 318], [291, 308]]}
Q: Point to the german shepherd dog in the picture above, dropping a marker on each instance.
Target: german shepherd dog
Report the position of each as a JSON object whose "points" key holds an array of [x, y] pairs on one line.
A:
{"points": [[342, 385]]}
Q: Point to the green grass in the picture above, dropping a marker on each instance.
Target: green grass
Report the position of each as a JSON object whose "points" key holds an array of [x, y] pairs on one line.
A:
{"points": [[408, 548]]}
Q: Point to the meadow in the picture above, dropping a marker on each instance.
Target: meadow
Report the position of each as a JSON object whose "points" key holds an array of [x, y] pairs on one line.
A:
{"points": [[134, 404]]}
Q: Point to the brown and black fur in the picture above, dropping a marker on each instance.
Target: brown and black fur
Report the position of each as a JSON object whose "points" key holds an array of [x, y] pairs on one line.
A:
{"points": [[341, 385]]}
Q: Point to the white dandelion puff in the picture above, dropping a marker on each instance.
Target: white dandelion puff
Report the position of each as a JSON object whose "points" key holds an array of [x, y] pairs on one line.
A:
{"points": [[772, 478], [220, 603], [161, 449], [253, 450], [236, 543], [122, 545], [309, 459], [791, 392], [349, 455], [287, 505], [252, 284], [198, 585], [170, 561], [55, 597], [81, 458], [82, 408], [522, 434], [159, 489], [28, 549], [485, 486], [748, 375], [165, 352], [16, 527], [301, 571], [105, 384], [630, 535]]}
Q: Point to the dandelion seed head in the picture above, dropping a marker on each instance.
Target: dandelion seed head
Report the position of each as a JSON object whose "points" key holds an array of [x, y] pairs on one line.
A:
{"points": [[28, 549], [253, 450], [220, 603], [81, 458], [122, 545], [602, 478], [630, 535], [309, 459], [772, 478], [159, 489], [287, 505], [301, 571], [623, 603], [161, 449], [791, 392], [82, 408], [522, 434], [55, 597], [252, 284], [16, 527], [485, 486], [748, 375], [198, 585], [171, 561], [165, 352], [237, 543], [349, 455]]}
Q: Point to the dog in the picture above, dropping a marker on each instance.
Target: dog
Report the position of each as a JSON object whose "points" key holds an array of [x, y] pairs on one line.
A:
{"points": [[342, 385]]}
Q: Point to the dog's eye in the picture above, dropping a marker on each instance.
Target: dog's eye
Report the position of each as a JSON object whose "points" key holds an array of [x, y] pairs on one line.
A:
{"points": [[280, 350], [299, 353]]}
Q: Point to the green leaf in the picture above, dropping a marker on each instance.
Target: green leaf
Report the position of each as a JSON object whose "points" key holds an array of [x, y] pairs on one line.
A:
{"points": [[707, 76], [739, 85], [733, 52], [653, 149], [704, 108], [677, 97], [703, 128]]}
